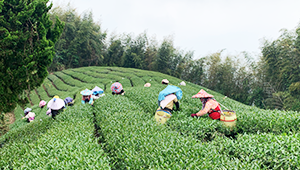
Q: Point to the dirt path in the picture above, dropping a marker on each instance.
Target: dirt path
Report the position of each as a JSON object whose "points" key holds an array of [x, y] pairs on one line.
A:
{"points": [[11, 117]]}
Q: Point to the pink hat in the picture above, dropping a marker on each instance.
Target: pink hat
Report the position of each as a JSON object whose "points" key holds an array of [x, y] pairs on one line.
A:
{"points": [[202, 94], [147, 85], [42, 103], [165, 81]]}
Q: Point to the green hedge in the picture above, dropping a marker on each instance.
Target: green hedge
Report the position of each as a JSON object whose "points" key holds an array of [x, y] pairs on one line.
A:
{"points": [[134, 140], [66, 142]]}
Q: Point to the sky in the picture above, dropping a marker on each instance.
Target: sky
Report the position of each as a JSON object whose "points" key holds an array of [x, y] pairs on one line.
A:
{"points": [[202, 26]]}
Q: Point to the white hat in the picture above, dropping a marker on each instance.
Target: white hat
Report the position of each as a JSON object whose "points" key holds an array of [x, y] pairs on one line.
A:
{"points": [[56, 104], [165, 81], [182, 83]]}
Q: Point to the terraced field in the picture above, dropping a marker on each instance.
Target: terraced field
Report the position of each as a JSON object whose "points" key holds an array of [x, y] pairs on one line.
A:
{"points": [[120, 131]]}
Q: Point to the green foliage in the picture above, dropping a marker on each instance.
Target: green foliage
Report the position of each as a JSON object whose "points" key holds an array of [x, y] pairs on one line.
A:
{"points": [[120, 132], [67, 142], [3, 124], [114, 53], [81, 43], [164, 56], [27, 38], [281, 58]]}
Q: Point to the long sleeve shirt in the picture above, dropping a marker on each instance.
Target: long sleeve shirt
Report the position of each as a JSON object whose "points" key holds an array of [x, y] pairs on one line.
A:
{"points": [[90, 102], [210, 104]]}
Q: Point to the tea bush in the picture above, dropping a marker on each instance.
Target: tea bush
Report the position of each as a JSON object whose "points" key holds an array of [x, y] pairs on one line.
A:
{"points": [[120, 131]]}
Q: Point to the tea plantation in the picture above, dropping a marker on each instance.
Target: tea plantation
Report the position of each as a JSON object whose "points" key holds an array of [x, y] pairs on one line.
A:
{"points": [[120, 132]]}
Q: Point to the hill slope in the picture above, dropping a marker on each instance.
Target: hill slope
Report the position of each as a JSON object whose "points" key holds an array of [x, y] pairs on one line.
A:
{"points": [[119, 132]]}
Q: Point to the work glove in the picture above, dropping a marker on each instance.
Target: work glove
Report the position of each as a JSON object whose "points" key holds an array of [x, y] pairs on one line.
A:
{"points": [[194, 115]]}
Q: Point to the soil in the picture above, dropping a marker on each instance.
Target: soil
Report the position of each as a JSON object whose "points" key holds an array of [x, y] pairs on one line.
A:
{"points": [[10, 117]]}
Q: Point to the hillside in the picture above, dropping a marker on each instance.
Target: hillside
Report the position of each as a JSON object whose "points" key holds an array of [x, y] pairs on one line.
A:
{"points": [[120, 131]]}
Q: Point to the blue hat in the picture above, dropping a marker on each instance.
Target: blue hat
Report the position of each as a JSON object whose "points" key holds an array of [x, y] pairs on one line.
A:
{"points": [[86, 92]]}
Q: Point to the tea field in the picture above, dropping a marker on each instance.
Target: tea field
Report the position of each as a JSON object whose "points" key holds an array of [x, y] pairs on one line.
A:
{"points": [[120, 132]]}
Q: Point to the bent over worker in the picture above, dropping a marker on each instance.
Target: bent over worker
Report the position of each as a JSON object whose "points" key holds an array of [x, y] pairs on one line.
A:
{"points": [[87, 97], [29, 115], [166, 100], [56, 105], [209, 105]]}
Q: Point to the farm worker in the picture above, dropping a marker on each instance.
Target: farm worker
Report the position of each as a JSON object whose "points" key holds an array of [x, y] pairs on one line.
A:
{"points": [[147, 85], [42, 103], [87, 97], [165, 81], [166, 100], [69, 101], [209, 105], [56, 105], [117, 88], [28, 114], [97, 93]]}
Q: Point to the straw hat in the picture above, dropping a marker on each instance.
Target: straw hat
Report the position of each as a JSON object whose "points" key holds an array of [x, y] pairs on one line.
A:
{"points": [[202, 94]]}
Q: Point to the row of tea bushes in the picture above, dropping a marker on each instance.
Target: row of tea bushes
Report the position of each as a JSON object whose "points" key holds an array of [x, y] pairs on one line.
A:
{"points": [[60, 84], [250, 119], [133, 140], [246, 150], [67, 142], [69, 80]]}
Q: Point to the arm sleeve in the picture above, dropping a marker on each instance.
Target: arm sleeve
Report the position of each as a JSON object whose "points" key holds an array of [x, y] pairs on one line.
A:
{"points": [[91, 100], [82, 102], [205, 110]]}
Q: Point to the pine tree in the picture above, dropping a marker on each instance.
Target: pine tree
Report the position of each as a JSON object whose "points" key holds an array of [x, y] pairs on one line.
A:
{"points": [[27, 39]]}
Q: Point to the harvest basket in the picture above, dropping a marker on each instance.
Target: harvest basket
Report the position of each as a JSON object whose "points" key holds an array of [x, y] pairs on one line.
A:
{"points": [[228, 117]]}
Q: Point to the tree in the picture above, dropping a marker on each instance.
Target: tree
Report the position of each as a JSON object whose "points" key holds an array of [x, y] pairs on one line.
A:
{"points": [[150, 54], [193, 70], [114, 53], [82, 41], [134, 55], [27, 39], [164, 55]]}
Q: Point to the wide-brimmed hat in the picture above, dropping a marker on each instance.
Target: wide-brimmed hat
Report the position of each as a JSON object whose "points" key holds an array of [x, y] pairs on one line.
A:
{"points": [[27, 110], [116, 87], [42, 103], [56, 104], [202, 94], [147, 85], [86, 92], [182, 83], [97, 90], [68, 100], [165, 81]]}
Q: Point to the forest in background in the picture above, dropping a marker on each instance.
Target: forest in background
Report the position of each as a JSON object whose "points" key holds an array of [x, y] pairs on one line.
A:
{"points": [[269, 82]]}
